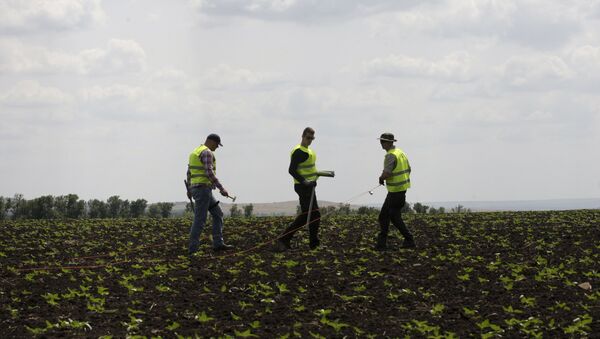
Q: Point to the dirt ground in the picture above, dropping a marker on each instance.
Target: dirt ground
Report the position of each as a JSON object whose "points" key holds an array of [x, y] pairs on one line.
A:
{"points": [[513, 274]]}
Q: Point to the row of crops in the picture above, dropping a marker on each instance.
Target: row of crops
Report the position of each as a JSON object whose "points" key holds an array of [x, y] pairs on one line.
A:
{"points": [[517, 274]]}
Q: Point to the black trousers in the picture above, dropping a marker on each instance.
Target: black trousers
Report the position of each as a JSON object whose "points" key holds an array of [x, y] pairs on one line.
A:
{"points": [[392, 211], [304, 193]]}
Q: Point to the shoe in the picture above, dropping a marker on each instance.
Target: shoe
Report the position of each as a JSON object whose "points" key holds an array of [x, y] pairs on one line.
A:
{"points": [[380, 247], [282, 246], [314, 244], [408, 244], [223, 247]]}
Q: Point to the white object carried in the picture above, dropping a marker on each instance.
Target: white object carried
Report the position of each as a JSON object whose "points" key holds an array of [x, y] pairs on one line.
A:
{"points": [[330, 174]]}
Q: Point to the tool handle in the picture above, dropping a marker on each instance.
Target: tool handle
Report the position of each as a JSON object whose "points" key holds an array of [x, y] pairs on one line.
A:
{"points": [[187, 188]]}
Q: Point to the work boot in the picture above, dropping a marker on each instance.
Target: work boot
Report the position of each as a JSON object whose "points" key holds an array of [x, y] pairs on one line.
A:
{"points": [[380, 247], [381, 243], [408, 243], [223, 247], [314, 244], [282, 245]]}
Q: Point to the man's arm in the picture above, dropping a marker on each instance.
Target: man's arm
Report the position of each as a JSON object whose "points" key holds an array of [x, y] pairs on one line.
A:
{"points": [[297, 157], [388, 167], [207, 160]]}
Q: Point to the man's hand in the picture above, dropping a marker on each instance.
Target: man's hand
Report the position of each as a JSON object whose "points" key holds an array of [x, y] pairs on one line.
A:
{"points": [[309, 183], [224, 193], [381, 181]]}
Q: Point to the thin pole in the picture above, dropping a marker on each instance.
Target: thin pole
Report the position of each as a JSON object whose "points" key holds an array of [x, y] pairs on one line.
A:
{"points": [[312, 198]]}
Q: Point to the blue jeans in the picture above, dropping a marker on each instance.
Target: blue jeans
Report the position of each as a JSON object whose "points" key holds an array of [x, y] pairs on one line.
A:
{"points": [[205, 202]]}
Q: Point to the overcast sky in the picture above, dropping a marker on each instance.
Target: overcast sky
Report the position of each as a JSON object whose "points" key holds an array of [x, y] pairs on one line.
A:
{"points": [[490, 99]]}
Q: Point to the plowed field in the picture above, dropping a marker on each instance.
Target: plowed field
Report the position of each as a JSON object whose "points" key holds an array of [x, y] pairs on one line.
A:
{"points": [[521, 274]]}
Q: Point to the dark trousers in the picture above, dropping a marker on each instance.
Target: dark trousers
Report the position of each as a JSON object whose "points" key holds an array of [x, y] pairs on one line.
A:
{"points": [[392, 211], [304, 194]]}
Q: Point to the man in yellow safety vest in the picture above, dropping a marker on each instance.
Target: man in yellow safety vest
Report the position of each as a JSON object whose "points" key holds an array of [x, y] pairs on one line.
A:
{"points": [[396, 175], [304, 171], [201, 178]]}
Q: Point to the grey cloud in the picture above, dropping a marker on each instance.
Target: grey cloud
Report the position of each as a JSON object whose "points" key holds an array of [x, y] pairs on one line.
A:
{"points": [[300, 11], [29, 93], [119, 57], [536, 72], [453, 67], [226, 77], [17, 16], [534, 23]]}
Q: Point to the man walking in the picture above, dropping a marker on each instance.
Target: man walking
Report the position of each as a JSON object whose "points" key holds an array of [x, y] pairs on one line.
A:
{"points": [[304, 171], [396, 175], [201, 178]]}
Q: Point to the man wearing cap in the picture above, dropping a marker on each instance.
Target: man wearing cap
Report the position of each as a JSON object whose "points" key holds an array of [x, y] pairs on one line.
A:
{"points": [[304, 171], [201, 178], [396, 176]]}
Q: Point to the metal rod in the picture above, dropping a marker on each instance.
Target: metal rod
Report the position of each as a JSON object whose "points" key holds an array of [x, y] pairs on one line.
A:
{"points": [[187, 188], [312, 198]]}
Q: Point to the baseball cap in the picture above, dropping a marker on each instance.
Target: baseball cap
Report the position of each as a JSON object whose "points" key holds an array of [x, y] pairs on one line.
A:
{"points": [[215, 137], [387, 137]]}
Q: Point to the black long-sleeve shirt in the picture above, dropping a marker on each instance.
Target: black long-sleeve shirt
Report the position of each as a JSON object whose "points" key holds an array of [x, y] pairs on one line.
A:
{"points": [[299, 156]]}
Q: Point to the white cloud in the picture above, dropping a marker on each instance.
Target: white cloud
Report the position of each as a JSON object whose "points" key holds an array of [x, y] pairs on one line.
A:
{"points": [[453, 67], [42, 15], [586, 59], [535, 72], [298, 10], [113, 92], [30, 93], [524, 22], [226, 77], [119, 57], [16, 57]]}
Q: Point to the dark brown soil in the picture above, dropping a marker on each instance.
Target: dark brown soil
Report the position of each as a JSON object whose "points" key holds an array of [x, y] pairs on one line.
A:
{"points": [[472, 275]]}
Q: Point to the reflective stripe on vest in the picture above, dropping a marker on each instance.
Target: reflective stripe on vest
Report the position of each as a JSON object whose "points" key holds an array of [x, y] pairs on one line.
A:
{"points": [[307, 169], [400, 179], [196, 167]]}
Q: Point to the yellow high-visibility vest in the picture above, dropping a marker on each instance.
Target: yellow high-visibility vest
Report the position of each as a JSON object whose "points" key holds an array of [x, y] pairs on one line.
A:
{"points": [[400, 179], [308, 168], [196, 167]]}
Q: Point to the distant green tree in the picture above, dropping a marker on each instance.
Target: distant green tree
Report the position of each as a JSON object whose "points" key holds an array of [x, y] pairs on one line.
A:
{"points": [[2, 208], [344, 209], [154, 211], [248, 209], [165, 209], [327, 210], [97, 209], [298, 210], [235, 211], [69, 206], [42, 208], [407, 209], [364, 210], [137, 208], [460, 209], [439, 210], [420, 208], [19, 207], [125, 209], [114, 206]]}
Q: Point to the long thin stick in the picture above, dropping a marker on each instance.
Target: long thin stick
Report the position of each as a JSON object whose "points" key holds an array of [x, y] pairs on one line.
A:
{"points": [[312, 198], [187, 188]]}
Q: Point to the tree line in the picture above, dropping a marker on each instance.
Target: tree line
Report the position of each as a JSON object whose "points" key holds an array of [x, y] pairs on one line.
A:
{"points": [[71, 207], [416, 208]]}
